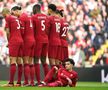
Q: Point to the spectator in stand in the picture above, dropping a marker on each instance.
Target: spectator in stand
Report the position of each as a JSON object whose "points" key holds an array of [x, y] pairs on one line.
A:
{"points": [[78, 13]]}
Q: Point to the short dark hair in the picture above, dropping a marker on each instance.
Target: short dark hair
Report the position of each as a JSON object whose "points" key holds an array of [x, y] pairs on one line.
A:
{"points": [[60, 12], [52, 7], [69, 60], [57, 11], [36, 8], [16, 8]]}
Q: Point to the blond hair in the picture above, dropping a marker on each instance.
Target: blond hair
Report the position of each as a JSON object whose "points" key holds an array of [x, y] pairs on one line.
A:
{"points": [[5, 11]]}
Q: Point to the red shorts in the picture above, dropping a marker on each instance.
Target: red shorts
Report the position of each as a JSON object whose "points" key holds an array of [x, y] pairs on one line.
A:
{"points": [[15, 50], [41, 50], [64, 53], [54, 52], [28, 49]]}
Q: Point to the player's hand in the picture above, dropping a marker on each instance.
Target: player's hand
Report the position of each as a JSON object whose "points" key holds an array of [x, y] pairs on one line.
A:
{"points": [[56, 68], [69, 81]]}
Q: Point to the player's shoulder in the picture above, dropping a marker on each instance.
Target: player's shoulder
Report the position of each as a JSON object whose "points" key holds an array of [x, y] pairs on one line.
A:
{"points": [[74, 72], [11, 17], [50, 17], [56, 18], [42, 14], [7, 18], [23, 15]]}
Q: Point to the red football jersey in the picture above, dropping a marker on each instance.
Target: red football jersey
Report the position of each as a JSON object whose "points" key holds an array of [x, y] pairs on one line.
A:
{"points": [[26, 28], [54, 31], [63, 73], [13, 24], [40, 24], [63, 33]]}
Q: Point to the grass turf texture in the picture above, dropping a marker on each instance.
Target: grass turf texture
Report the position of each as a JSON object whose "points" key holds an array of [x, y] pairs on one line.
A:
{"points": [[80, 86]]}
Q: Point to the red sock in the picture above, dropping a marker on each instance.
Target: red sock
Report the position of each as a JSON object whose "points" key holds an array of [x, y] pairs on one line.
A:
{"points": [[26, 73], [32, 72], [37, 72], [12, 72], [46, 69], [20, 69], [49, 75]]}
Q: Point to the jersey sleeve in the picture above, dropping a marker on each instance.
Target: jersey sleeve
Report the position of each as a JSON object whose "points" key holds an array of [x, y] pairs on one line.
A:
{"points": [[48, 26], [61, 74], [7, 22], [61, 27], [34, 24]]}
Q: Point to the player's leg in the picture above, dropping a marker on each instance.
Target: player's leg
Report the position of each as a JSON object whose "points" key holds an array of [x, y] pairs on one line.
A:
{"points": [[26, 70], [13, 53], [50, 75], [55, 84], [37, 54], [26, 57], [43, 58], [52, 52], [20, 70], [19, 64], [58, 57], [37, 69], [65, 53], [12, 70], [31, 65], [32, 71]]}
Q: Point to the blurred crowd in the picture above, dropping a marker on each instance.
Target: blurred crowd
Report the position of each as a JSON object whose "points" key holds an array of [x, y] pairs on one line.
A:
{"points": [[88, 28]]}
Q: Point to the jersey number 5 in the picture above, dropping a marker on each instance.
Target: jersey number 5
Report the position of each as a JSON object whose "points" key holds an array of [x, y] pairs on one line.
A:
{"points": [[43, 25]]}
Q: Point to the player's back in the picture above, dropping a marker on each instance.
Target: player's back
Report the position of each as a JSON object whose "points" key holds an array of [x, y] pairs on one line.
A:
{"points": [[54, 32], [40, 23], [27, 27], [63, 32], [14, 29]]}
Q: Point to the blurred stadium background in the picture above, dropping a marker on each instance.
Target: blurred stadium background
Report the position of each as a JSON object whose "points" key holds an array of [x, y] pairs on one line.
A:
{"points": [[87, 35]]}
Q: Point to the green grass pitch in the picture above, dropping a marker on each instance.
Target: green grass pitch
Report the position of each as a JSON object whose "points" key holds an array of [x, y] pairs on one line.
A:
{"points": [[80, 86]]}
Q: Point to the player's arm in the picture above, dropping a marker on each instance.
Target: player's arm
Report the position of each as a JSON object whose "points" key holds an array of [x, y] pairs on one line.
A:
{"points": [[74, 79], [34, 25], [7, 28], [63, 76], [67, 32], [22, 25], [69, 81], [7, 33], [48, 25]]}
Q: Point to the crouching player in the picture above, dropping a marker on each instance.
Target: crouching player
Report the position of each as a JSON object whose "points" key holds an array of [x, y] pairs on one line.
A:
{"points": [[61, 77]]}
